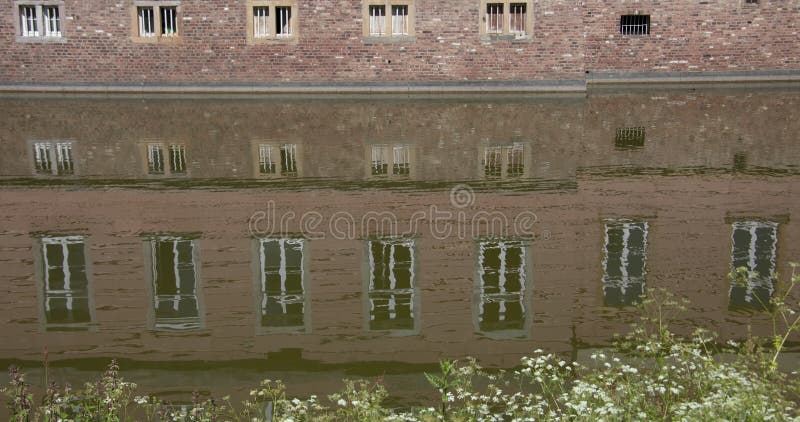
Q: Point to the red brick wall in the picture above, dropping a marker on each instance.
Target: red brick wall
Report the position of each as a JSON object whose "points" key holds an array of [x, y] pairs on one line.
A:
{"points": [[568, 38], [690, 36]]}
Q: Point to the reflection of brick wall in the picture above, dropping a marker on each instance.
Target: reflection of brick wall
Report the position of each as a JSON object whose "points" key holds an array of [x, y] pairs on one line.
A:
{"points": [[689, 250], [568, 38], [703, 129]]}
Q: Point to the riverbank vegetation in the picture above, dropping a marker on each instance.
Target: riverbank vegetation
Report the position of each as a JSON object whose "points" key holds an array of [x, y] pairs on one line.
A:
{"points": [[651, 374]]}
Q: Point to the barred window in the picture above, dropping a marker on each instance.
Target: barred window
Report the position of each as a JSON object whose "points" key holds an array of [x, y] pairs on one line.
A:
{"points": [[39, 19], [156, 20], [634, 25], [506, 18], [271, 21], [388, 19]]}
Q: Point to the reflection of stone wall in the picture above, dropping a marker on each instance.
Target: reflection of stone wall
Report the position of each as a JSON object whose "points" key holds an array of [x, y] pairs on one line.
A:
{"points": [[447, 139], [689, 249]]}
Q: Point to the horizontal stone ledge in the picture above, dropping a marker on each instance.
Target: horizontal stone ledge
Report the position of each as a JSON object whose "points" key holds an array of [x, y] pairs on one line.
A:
{"points": [[573, 86], [598, 79]]}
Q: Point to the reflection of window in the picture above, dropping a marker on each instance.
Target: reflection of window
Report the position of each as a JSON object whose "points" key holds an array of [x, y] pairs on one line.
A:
{"points": [[174, 283], [271, 20], [158, 164], [394, 158], [282, 288], [624, 261], [53, 158], [388, 18], [754, 249], [391, 284], [65, 282], [276, 160], [500, 161], [629, 138], [502, 278]]}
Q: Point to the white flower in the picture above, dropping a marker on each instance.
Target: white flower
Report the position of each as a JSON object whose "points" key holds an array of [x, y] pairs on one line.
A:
{"points": [[342, 402]]}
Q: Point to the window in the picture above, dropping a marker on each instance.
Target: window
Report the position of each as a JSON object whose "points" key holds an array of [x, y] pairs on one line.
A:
{"points": [[391, 285], [506, 18], [390, 160], [39, 20], [173, 164], [53, 158], [753, 256], [388, 20], [629, 138], [501, 288], [276, 160], [282, 285], [634, 25], [66, 302], [173, 280], [504, 161], [271, 21], [156, 20], [624, 261]]}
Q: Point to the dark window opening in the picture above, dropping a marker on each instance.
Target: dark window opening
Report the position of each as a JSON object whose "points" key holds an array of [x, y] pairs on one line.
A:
{"points": [[629, 138], [634, 25]]}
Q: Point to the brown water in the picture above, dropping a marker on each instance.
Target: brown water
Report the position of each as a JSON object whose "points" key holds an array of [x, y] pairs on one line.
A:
{"points": [[210, 243]]}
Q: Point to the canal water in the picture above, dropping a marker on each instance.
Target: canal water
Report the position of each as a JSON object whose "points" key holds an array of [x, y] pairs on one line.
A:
{"points": [[210, 243]]}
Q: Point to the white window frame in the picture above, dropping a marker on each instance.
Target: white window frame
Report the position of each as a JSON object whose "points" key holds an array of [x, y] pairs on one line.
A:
{"points": [[158, 32], [511, 161], [390, 160], [503, 27], [285, 297], [193, 322], [46, 292], [625, 281], [754, 280], [393, 291], [381, 22], [38, 27], [503, 295], [52, 157], [170, 158], [266, 30]]}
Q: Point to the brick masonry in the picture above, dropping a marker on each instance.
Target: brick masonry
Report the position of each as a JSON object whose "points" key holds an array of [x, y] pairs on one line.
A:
{"points": [[569, 39]]}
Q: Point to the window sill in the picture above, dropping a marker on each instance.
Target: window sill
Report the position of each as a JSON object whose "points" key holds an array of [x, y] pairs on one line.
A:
{"points": [[506, 37], [40, 39], [272, 40], [156, 39], [389, 39]]}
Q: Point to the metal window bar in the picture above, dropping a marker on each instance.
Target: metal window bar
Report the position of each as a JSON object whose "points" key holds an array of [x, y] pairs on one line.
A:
{"points": [[260, 21], [29, 26], [501, 293], [401, 164], [155, 159], [516, 160], [379, 160], [64, 163], [67, 291], [52, 21], [177, 159], [492, 161], [494, 18], [518, 18], [186, 319], [169, 21], [266, 165], [377, 20], [41, 157], [400, 20], [289, 160], [146, 22], [629, 137], [283, 21], [634, 25]]}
